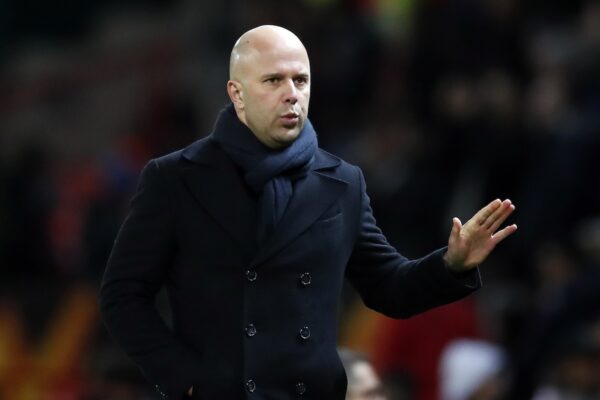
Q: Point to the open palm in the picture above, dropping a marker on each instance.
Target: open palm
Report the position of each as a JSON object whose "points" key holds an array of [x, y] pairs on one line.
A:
{"points": [[471, 243]]}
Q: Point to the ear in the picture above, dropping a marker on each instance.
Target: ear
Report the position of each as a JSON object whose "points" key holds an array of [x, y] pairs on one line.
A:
{"points": [[236, 94]]}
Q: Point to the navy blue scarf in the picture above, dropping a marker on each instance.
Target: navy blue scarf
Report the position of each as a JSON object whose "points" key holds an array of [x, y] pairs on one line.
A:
{"points": [[269, 173]]}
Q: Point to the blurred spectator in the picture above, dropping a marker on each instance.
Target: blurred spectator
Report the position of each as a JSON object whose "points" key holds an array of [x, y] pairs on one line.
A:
{"points": [[363, 382], [472, 370], [572, 373], [408, 350], [565, 314]]}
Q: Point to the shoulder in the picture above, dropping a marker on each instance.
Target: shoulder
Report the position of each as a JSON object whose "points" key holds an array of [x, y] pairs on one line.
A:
{"points": [[194, 152], [325, 157], [341, 168]]}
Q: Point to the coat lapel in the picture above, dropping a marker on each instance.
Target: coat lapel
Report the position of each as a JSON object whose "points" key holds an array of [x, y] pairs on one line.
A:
{"points": [[313, 195], [215, 183]]}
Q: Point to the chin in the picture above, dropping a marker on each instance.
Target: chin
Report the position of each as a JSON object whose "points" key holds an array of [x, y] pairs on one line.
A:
{"points": [[291, 135], [287, 138]]}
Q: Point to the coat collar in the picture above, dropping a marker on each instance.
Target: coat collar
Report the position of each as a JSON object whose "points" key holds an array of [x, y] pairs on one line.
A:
{"points": [[219, 187], [206, 152]]}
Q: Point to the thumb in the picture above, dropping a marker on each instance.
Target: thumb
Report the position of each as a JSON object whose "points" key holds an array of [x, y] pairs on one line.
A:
{"points": [[456, 226]]}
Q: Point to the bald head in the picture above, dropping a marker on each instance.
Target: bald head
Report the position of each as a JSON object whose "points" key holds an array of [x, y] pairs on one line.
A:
{"points": [[269, 84], [260, 41]]}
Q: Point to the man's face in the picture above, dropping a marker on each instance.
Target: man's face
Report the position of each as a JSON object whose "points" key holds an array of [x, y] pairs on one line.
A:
{"points": [[275, 92]]}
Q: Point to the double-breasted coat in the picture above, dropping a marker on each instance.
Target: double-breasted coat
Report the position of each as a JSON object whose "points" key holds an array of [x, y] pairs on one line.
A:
{"points": [[254, 321]]}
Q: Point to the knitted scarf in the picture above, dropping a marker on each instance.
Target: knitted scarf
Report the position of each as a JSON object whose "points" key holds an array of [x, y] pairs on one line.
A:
{"points": [[268, 172]]}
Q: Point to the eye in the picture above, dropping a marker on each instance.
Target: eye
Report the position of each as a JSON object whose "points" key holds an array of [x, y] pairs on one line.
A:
{"points": [[273, 79], [302, 80]]}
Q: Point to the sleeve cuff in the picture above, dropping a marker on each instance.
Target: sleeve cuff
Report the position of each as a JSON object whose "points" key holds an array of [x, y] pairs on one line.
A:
{"points": [[470, 279]]}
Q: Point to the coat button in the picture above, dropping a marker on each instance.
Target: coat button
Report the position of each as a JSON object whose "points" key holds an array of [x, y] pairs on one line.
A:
{"points": [[251, 275], [250, 385], [250, 330], [305, 279], [305, 333], [300, 388]]}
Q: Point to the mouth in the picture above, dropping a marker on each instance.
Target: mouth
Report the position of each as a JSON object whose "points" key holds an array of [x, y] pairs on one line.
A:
{"points": [[290, 119]]}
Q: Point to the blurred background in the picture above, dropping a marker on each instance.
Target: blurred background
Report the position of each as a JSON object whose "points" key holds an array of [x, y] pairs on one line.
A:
{"points": [[445, 105]]}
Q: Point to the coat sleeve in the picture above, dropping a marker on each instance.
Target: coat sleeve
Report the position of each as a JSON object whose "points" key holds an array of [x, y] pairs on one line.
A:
{"points": [[136, 270], [391, 283]]}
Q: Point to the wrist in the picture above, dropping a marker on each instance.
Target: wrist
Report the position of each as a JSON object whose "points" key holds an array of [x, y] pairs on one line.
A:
{"points": [[455, 268]]}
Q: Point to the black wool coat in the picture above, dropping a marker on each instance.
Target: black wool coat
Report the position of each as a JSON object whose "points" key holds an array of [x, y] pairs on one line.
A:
{"points": [[249, 321]]}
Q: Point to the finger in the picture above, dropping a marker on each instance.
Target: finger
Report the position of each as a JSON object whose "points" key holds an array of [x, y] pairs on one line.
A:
{"points": [[456, 226], [498, 213], [495, 214], [504, 233], [485, 212], [502, 217]]}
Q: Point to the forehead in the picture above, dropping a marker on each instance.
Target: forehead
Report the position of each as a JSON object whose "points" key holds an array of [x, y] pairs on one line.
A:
{"points": [[279, 59]]}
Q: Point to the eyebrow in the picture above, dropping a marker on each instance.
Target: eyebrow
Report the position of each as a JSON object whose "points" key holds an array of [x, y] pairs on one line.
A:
{"points": [[279, 75], [271, 75]]}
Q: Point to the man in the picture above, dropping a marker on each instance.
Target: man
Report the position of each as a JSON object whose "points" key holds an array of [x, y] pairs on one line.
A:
{"points": [[363, 382], [252, 231]]}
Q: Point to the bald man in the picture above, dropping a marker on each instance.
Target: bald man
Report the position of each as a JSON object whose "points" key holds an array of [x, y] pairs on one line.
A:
{"points": [[252, 230]]}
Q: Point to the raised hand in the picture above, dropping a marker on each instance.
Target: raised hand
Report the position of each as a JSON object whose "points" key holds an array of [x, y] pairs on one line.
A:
{"points": [[471, 243]]}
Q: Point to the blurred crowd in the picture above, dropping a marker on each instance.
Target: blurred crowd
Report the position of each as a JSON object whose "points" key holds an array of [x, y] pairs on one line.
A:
{"points": [[445, 105]]}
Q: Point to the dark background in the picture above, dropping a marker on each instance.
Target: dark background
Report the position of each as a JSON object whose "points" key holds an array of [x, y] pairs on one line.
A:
{"points": [[445, 105]]}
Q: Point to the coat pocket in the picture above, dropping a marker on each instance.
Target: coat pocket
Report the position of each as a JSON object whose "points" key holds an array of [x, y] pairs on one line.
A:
{"points": [[329, 222]]}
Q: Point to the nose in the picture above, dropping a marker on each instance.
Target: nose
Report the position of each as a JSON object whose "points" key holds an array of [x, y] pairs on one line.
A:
{"points": [[291, 92]]}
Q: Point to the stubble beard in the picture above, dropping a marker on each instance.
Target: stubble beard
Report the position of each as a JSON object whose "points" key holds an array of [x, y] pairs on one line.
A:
{"points": [[290, 137]]}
